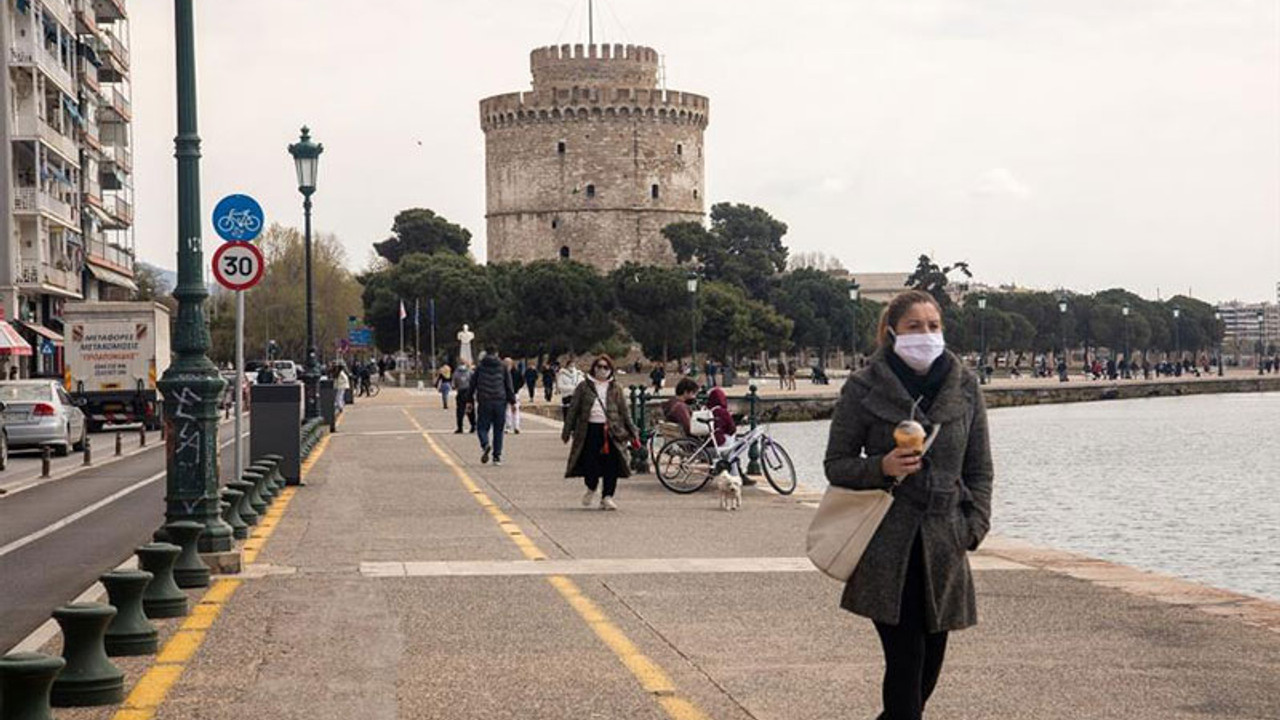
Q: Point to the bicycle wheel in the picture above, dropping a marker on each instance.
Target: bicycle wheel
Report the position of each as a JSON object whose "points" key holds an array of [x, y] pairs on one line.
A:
{"points": [[374, 390], [778, 468], [683, 466]]}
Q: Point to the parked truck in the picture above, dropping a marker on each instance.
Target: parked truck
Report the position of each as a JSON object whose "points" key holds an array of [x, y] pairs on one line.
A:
{"points": [[115, 353]]}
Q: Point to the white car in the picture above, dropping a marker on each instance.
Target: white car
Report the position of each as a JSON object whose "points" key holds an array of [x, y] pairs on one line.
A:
{"points": [[39, 413], [286, 370]]}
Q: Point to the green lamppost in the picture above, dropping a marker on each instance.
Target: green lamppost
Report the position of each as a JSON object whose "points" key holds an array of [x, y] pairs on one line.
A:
{"points": [[1065, 366], [1217, 328], [1128, 353], [1177, 335], [854, 290], [306, 157], [982, 343], [691, 284], [1262, 338], [192, 385]]}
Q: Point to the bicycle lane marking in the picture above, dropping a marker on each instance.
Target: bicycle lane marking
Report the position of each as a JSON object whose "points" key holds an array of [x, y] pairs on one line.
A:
{"points": [[149, 693], [650, 676]]}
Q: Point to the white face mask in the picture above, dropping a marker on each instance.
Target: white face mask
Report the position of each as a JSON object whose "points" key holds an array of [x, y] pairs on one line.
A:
{"points": [[602, 374], [919, 350]]}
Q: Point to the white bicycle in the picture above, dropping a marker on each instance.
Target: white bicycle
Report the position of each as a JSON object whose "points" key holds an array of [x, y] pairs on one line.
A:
{"points": [[685, 465], [240, 222]]}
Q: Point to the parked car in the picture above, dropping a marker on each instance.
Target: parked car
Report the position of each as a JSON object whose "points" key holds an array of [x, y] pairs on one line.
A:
{"points": [[40, 412], [286, 370]]}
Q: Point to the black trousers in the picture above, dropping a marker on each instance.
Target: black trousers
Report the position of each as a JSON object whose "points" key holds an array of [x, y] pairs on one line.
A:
{"points": [[467, 410], [912, 655], [597, 465]]}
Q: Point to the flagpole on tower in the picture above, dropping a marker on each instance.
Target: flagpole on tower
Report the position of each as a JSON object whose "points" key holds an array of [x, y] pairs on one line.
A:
{"points": [[417, 334], [591, 22]]}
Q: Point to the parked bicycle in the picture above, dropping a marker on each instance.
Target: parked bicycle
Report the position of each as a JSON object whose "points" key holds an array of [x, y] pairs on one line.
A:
{"points": [[685, 465]]}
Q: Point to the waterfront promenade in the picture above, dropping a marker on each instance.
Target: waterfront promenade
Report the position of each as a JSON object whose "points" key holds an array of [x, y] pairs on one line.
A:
{"points": [[407, 580]]}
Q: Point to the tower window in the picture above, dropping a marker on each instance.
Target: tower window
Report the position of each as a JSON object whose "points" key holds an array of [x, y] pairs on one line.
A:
{"points": [[591, 191], [679, 148], [564, 252], [555, 223], [653, 192], [560, 148], [695, 193]]}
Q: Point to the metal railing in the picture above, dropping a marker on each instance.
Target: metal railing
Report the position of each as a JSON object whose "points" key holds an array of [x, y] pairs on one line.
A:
{"points": [[39, 127], [85, 17], [35, 200], [112, 254], [59, 9], [89, 76], [121, 104], [120, 155], [35, 272], [120, 209], [112, 44]]}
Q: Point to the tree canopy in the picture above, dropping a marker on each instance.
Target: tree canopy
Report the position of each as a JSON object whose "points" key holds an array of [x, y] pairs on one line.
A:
{"points": [[743, 246], [418, 230]]}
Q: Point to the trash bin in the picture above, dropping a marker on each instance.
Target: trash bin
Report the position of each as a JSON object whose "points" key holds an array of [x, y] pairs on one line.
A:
{"points": [[275, 426]]}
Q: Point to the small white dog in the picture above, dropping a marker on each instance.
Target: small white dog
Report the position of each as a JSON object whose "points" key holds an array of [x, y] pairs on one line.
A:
{"points": [[730, 487]]}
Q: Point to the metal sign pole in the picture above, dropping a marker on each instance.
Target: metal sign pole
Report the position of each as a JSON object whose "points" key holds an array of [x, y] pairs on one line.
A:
{"points": [[239, 464]]}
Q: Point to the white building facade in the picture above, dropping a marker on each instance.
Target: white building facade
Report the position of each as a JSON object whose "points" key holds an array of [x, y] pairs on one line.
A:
{"points": [[66, 155]]}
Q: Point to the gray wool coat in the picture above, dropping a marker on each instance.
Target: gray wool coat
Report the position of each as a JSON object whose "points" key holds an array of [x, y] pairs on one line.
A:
{"points": [[948, 502], [621, 428]]}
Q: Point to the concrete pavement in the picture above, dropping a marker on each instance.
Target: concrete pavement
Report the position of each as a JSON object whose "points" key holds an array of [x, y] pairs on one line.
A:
{"points": [[405, 580]]}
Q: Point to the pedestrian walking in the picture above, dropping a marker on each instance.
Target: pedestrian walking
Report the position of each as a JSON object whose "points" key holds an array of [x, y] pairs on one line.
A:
{"points": [[492, 392], [657, 376], [568, 380], [464, 403], [548, 381], [444, 383], [531, 380], [914, 580], [517, 374], [341, 386], [599, 423], [791, 375]]}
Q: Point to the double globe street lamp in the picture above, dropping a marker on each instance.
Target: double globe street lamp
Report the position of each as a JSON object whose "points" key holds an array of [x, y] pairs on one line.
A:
{"points": [[1217, 329], [1063, 365], [1261, 338], [306, 158], [691, 284], [982, 343], [1128, 351], [1177, 336], [854, 293]]}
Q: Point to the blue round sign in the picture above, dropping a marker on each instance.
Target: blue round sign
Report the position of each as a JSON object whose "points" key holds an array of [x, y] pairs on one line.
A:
{"points": [[238, 218]]}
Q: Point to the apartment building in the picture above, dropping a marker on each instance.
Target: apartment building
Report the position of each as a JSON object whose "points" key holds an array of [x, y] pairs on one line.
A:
{"points": [[65, 150], [1241, 327]]}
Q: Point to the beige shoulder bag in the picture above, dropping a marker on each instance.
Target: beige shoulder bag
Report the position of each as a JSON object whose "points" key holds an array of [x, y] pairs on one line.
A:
{"points": [[845, 522]]}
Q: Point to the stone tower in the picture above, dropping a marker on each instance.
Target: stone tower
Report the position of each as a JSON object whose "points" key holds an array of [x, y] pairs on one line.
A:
{"points": [[594, 161]]}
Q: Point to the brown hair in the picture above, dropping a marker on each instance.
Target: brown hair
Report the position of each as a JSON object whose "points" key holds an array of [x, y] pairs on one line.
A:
{"points": [[898, 307], [605, 357]]}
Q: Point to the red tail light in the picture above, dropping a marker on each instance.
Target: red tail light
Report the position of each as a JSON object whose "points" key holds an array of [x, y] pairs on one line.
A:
{"points": [[43, 410]]}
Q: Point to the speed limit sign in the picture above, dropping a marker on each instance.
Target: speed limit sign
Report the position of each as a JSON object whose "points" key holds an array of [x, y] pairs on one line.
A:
{"points": [[237, 265]]}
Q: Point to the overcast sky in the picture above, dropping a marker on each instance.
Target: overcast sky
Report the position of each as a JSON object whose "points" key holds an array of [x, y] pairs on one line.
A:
{"points": [[1079, 143]]}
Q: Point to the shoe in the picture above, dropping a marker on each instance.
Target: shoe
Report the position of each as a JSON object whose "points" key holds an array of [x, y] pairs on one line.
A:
{"points": [[516, 430], [748, 481], [458, 431], [497, 461], [484, 456], [607, 503], [588, 497]]}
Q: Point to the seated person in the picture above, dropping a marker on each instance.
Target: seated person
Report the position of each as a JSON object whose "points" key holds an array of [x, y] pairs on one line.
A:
{"points": [[676, 410], [724, 426]]}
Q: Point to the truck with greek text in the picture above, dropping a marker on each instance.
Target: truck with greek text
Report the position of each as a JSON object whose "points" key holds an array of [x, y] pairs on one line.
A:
{"points": [[116, 351]]}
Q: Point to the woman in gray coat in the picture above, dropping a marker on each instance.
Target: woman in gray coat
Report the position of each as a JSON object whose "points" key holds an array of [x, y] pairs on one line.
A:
{"points": [[914, 580]]}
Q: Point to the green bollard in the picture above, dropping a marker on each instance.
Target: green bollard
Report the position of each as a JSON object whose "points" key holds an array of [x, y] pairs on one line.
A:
{"points": [[130, 633], [255, 495], [90, 678], [277, 476], [25, 681], [753, 454], [162, 598], [268, 491], [239, 529], [245, 508], [189, 571]]}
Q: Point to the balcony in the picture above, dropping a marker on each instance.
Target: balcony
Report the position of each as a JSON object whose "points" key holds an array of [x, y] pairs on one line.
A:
{"points": [[107, 11], [34, 200], [93, 194], [86, 23], [109, 45], [89, 76], [121, 157], [119, 213], [35, 272], [91, 138], [59, 9], [113, 255], [118, 109], [30, 126], [25, 53]]}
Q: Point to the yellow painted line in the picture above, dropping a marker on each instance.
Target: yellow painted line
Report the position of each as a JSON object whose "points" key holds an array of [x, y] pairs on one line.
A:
{"points": [[651, 677], [154, 685]]}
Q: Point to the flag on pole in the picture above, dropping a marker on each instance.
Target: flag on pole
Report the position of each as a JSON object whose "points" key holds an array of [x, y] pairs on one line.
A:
{"points": [[403, 314]]}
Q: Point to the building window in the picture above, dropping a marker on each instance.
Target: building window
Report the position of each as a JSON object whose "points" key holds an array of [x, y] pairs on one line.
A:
{"points": [[591, 191], [679, 148], [695, 193], [653, 192], [560, 148], [555, 223], [564, 252]]}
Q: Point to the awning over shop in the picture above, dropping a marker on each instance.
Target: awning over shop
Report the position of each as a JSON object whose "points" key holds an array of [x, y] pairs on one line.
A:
{"points": [[111, 276], [43, 332], [11, 343]]}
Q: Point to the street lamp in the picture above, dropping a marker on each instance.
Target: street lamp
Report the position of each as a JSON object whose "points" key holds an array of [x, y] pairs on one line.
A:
{"points": [[982, 345], [306, 157], [1261, 320], [1128, 352], [1177, 336], [854, 294], [1062, 310], [691, 284], [1217, 329], [192, 384]]}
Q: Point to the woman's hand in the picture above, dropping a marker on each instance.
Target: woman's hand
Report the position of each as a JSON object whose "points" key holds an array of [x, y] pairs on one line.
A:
{"points": [[900, 463]]}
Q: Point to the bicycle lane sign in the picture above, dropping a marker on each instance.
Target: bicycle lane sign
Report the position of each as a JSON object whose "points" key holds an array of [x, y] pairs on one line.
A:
{"points": [[238, 218]]}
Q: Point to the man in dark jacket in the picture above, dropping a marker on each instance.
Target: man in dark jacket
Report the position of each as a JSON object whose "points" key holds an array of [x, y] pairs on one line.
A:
{"points": [[493, 391], [531, 380]]}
